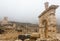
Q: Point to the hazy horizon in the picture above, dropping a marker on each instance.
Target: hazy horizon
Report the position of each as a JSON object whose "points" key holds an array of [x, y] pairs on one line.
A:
{"points": [[25, 10]]}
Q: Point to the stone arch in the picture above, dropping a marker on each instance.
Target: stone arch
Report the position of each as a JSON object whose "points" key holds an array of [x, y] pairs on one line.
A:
{"points": [[47, 23]]}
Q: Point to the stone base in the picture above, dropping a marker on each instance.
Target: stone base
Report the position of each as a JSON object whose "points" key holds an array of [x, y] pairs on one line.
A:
{"points": [[47, 40]]}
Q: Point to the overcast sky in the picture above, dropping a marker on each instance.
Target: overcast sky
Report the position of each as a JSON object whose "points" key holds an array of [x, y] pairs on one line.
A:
{"points": [[25, 10]]}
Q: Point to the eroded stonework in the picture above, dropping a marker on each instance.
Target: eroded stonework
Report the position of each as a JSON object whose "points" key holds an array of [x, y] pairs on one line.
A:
{"points": [[47, 23]]}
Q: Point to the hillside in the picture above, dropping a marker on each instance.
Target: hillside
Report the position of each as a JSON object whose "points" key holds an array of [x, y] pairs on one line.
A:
{"points": [[27, 26], [32, 26]]}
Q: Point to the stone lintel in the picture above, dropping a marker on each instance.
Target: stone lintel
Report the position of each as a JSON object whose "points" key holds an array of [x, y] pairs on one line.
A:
{"points": [[51, 7]]}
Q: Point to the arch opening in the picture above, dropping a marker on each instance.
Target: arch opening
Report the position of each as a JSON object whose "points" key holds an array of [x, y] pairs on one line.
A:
{"points": [[44, 22]]}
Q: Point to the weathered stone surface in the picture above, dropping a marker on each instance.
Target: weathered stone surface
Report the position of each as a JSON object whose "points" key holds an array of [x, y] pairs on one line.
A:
{"points": [[47, 23]]}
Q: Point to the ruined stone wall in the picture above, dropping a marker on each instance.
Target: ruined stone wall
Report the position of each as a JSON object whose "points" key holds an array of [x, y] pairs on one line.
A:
{"points": [[50, 30]]}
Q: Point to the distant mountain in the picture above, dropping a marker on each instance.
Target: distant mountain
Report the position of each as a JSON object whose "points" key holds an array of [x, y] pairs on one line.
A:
{"points": [[27, 26]]}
